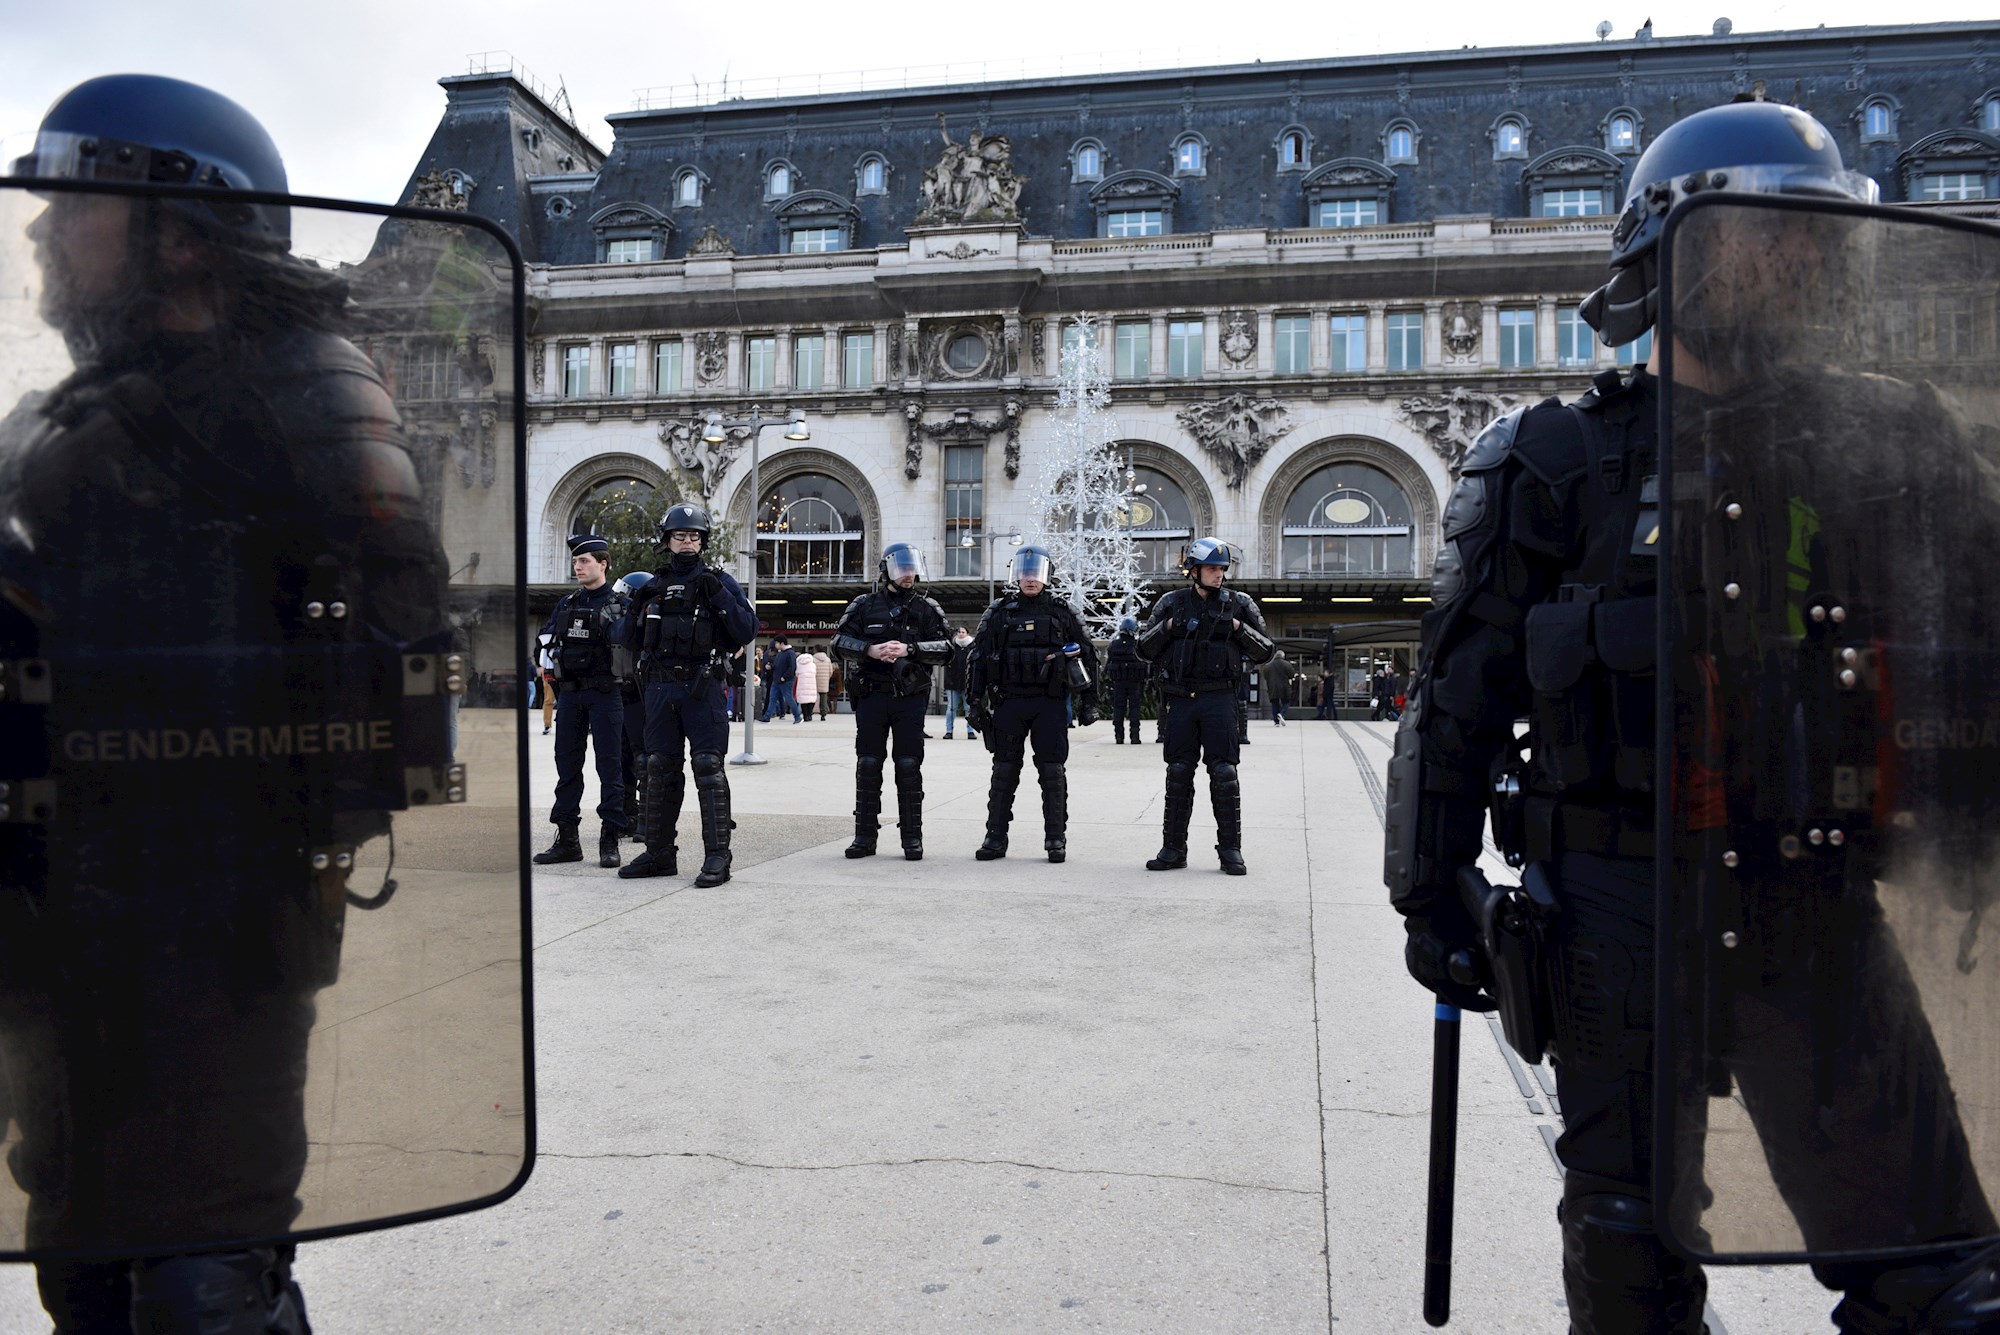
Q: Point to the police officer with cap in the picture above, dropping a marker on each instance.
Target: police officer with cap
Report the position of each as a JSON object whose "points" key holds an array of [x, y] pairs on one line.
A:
{"points": [[1545, 605], [589, 704], [625, 667], [891, 637], [1201, 637], [1127, 672], [1030, 661], [692, 616], [168, 916]]}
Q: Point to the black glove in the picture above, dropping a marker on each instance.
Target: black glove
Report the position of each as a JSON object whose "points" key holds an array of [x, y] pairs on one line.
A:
{"points": [[977, 716], [1086, 712], [708, 585], [1446, 959]]}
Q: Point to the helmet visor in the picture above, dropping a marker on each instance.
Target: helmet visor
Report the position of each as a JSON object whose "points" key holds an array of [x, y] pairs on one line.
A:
{"points": [[901, 560], [1029, 563]]}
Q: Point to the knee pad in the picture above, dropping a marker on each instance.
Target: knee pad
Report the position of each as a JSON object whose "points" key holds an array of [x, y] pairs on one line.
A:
{"points": [[1049, 771], [1221, 773], [1617, 1271], [1180, 774], [868, 771], [909, 771], [707, 767]]}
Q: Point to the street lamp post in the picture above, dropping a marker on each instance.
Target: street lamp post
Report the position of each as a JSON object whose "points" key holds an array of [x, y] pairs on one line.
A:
{"points": [[972, 540], [716, 432]]}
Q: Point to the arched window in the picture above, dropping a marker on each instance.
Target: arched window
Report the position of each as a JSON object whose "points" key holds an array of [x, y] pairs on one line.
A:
{"points": [[779, 180], [1160, 520], [1292, 149], [1087, 161], [809, 527], [1878, 120], [1348, 519], [1510, 138], [872, 177], [1399, 144], [687, 189], [1989, 113], [620, 508], [1621, 133], [1190, 156]]}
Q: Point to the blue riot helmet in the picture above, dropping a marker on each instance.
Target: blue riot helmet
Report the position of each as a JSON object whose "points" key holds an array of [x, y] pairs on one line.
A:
{"points": [[1128, 625], [1204, 552], [1743, 147], [629, 585], [144, 128], [1031, 562], [685, 515], [900, 559]]}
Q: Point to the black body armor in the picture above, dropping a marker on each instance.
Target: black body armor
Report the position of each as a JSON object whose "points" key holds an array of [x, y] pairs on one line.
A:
{"points": [[1027, 656], [1123, 666], [886, 614], [678, 637], [583, 625], [1196, 645]]}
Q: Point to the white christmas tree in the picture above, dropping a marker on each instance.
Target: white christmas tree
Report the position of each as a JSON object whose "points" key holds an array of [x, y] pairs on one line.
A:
{"points": [[1082, 503]]}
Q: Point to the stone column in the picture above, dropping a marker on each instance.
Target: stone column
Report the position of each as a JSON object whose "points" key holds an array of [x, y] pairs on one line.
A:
{"points": [[836, 357], [1011, 335], [912, 360], [1378, 337], [781, 374], [881, 351], [596, 390], [552, 370], [1156, 348], [1267, 352], [1489, 336], [642, 368], [736, 375], [1052, 345], [1545, 332], [1320, 317], [1433, 335], [1211, 345]]}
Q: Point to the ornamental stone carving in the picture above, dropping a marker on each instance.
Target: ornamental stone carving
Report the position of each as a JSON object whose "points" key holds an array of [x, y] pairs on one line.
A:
{"points": [[1459, 321], [441, 189], [708, 461], [473, 447], [1236, 431], [711, 242], [711, 357], [1239, 337], [973, 182], [1451, 421], [963, 428]]}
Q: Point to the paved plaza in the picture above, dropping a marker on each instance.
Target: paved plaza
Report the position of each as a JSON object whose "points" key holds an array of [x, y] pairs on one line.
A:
{"points": [[876, 1095]]}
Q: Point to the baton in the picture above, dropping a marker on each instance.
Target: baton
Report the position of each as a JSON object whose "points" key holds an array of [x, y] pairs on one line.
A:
{"points": [[1444, 1165]]}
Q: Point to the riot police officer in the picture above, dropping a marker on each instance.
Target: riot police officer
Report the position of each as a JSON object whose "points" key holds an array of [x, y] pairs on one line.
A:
{"points": [[1030, 659], [590, 704], [1202, 636], [692, 616], [625, 667], [1547, 605], [168, 914], [890, 638], [1127, 672]]}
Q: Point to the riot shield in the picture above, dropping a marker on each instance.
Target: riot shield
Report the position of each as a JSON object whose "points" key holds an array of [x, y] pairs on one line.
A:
{"points": [[263, 958], [1828, 1069]]}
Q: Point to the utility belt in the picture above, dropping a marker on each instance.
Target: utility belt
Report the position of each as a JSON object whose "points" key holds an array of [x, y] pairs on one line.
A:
{"points": [[1182, 690], [863, 687], [604, 683], [654, 669], [1551, 827], [1028, 691]]}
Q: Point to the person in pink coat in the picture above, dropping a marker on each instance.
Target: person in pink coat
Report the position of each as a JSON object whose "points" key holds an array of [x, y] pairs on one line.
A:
{"points": [[805, 685]]}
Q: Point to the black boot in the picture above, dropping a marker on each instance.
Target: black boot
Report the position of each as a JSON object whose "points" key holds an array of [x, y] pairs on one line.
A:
{"points": [[1055, 810], [999, 809], [910, 807], [607, 847], [1179, 810], [867, 806], [711, 791], [660, 798], [566, 848], [1617, 1274], [1225, 793]]}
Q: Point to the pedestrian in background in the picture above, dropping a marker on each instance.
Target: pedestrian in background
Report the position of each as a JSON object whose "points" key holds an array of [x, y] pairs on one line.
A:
{"points": [[805, 685], [1278, 675], [1325, 710], [590, 709], [823, 679], [954, 683]]}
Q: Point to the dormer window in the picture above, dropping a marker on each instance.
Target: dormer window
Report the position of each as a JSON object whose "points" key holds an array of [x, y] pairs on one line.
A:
{"points": [[871, 176], [1190, 156], [630, 233], [781, 179], [1399, 142], [1878, 120], [1989, 113], [1293, 153], [813, 222], [1510, 138], [1621, 132], [1135, 203], [687, 189], [1086, 161]]}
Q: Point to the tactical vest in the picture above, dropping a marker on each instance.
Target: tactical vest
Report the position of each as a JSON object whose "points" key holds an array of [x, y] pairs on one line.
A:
{"points": [[1592, 647], [883, 617], [583, 638], [1124, 666], [1029, 659], [678, 627], [1206, 659]]}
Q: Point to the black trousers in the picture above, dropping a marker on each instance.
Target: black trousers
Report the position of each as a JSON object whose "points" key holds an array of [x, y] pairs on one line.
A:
{"points": [[888, 725], [1201, 727], [599, 717], [1126, 697], [1020, 719], [1835, 1150], [632, 748]]}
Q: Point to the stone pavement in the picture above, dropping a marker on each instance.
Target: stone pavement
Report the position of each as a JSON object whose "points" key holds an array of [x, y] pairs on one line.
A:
{"points": [[883, 1096]]}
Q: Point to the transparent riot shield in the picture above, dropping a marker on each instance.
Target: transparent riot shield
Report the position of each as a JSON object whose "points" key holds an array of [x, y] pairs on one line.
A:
{"points": [[263, 965], [1828, 1067]]}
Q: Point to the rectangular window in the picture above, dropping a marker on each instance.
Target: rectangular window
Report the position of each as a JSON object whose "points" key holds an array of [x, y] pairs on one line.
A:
{"points": [[1517, 338], [1347, 213], [1072, 340], [667, 367], [1574, 342], [1349, 344], [628, 252], [1940, 186], [1133, 344], [1184, 340], [964, 509], [808, 361], [1291, 351], [857, 361], [760, 361], [576, 372], [1572, 203], [1135, 222], [1406, 340], [817, 240], [623, 365], [1954, 325], [1638, 350]]}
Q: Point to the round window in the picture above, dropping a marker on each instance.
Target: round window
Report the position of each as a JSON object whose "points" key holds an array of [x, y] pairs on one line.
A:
{"points": [[1348, 510], [966, 353], [1139, 515]]}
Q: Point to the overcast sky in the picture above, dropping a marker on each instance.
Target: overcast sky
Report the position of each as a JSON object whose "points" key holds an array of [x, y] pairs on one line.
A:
{"points": [[350, 91]]}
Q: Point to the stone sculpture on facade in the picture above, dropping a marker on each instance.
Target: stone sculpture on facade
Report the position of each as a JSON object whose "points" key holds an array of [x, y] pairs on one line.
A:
{"points": [[1239, 337], [707, 461], [1460, 320], [711, 357], [973, 182], [711, 242], [1236, 431], [473, 448], [1451, 421], [962, 428], [440, 189]]}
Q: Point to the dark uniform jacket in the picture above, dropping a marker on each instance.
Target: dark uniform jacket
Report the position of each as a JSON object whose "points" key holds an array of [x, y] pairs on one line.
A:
{"points": [[882, 615], [1018, 649], [1196, 647]]}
